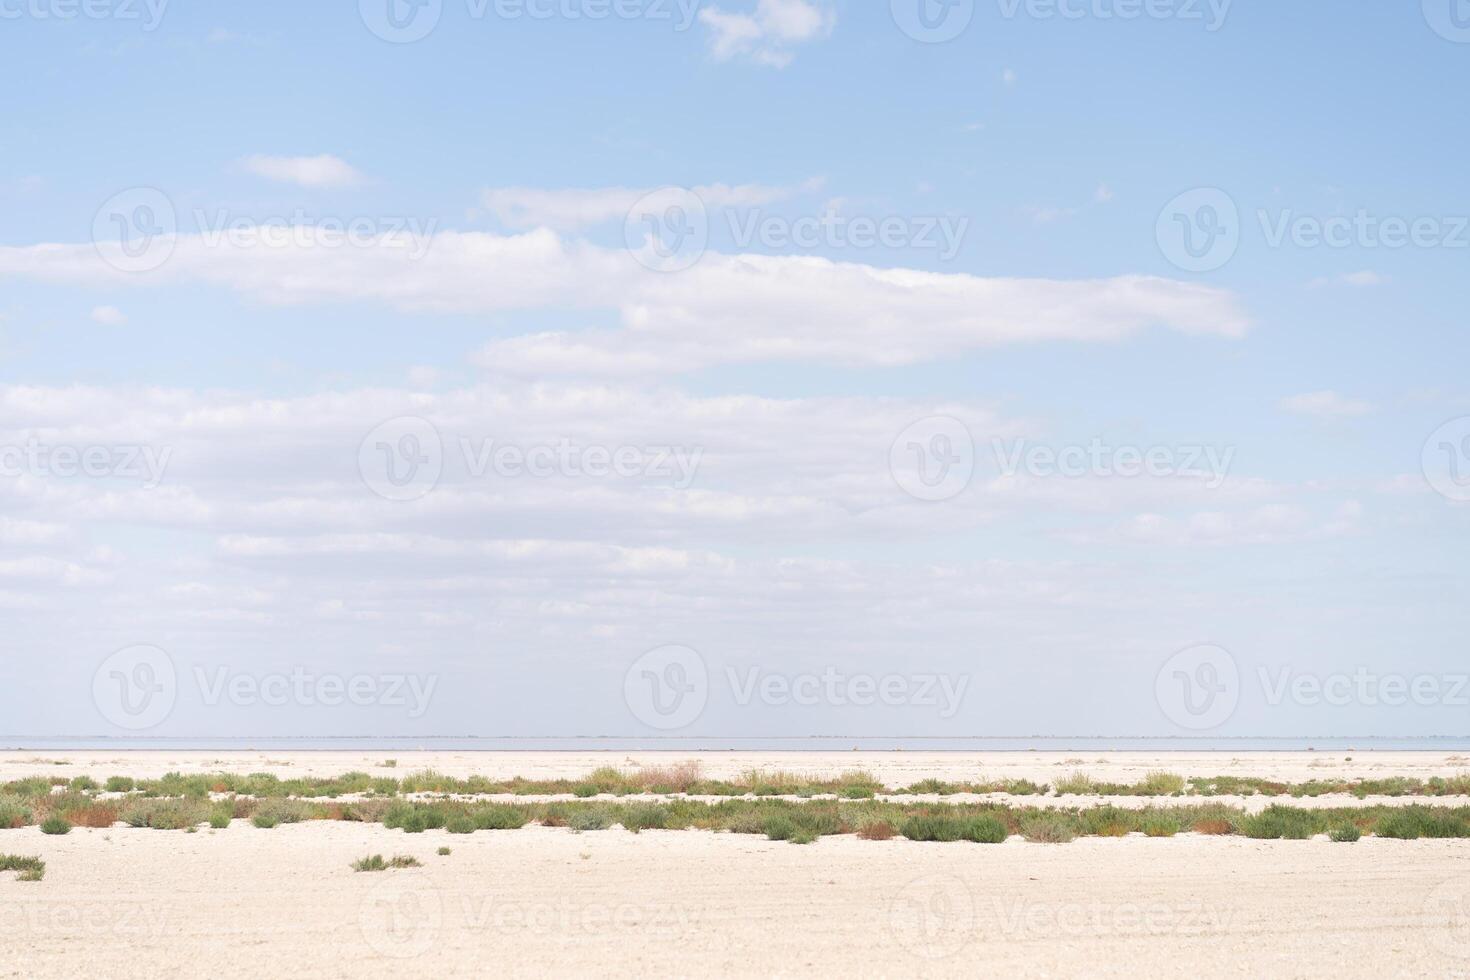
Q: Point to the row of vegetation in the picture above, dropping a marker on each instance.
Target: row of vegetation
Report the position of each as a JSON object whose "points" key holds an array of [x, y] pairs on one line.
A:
{"points": [[687, 779], [800, 822]]}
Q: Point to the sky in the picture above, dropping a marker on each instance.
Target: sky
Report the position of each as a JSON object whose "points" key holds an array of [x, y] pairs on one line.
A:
{"points": [[623, 368]]}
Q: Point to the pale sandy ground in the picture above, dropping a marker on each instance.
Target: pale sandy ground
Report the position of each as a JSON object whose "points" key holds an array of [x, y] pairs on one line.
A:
{"points": [[892, 768], [246, 902], [543, 902]]}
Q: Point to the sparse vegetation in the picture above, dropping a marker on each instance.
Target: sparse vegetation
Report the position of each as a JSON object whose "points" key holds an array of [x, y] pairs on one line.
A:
{"points": [[26, 868], [55, 826], [376, 862]]}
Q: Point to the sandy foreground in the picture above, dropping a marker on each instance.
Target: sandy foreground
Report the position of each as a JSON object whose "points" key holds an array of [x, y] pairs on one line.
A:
{"points": [[246, 902]]}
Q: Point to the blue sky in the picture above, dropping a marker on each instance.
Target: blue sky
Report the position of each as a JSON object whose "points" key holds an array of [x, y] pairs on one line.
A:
{"points": [[496, 166]]}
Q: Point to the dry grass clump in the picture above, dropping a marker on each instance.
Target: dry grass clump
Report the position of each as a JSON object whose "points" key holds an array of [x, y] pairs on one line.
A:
{"points": [[1213, 827], [375, 862], [28, 868], [877, 830]]}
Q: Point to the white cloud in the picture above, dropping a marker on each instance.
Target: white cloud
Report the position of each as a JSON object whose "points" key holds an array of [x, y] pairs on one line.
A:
{"points": [[318, 171], [1008, 77], [1325, 405], [767, 35], [1365, 277], [109, 316], [726, 309], [523, 208]]}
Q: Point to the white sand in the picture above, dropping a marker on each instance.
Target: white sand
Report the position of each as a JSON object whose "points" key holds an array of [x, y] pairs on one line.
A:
{"points": [[892, 768], [245, 902], [545, 902]]}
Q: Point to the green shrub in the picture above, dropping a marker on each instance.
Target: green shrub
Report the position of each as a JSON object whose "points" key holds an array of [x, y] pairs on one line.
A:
{"points": [[984, 830], [55, 825], [1277, 822], [13, 813], [1161, 825], [119, 784], [1048, 827], [1345, 833], [936, 828], [29, 868], [584, 820]]}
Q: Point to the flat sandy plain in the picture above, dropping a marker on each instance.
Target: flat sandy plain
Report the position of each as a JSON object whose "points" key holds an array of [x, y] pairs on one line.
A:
{"points": [[245, 902]]}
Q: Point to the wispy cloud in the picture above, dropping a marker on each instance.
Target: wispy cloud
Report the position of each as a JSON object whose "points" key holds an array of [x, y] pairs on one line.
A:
{"points": [[767, 35], [1326, 405], [324, 170], [572, 209], [109, 316]]}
